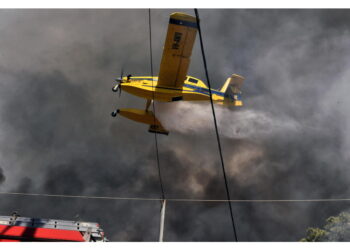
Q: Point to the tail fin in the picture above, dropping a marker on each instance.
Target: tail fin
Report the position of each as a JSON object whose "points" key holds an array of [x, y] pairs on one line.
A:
{"points": [[232, 90]]}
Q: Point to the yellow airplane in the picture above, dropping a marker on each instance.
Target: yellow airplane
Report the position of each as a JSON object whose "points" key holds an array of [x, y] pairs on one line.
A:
{"points": [[173, 83]]}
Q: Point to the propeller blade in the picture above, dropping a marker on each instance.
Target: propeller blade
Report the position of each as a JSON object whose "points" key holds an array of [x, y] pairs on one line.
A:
{"points": [[119, 80], [121, 75]]}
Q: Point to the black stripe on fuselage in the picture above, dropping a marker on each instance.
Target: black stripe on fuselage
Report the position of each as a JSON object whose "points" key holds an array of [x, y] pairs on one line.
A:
{"points": [[183, 23], [195, 88]]}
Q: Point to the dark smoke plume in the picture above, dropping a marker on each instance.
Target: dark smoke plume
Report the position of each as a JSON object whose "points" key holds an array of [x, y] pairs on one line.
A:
{"points": [[2, 176]]}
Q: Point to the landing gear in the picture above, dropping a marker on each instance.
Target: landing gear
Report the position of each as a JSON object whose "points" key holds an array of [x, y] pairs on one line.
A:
{"points": [[115, 88], [114, 113]]}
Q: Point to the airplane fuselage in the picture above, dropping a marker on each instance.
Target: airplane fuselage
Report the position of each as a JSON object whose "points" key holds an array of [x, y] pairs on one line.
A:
{"points": [[193, 89]]}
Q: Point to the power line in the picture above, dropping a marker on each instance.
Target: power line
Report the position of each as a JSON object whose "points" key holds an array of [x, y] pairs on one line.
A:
{"points": [[175, 199], [216, 126], [153, 106], [163, 201]]}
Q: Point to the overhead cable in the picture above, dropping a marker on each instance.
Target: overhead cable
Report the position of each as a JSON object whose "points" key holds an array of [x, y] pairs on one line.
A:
{"points": [[175, 199], [216, 126], [153, 105]]}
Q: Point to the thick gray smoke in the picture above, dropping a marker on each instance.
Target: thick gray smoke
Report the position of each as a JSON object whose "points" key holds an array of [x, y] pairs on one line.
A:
{"points": [[2, 176], [289, 141]]}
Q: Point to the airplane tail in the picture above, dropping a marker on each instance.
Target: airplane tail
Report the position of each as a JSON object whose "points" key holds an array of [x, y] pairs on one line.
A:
{"points": [[232, 90]]}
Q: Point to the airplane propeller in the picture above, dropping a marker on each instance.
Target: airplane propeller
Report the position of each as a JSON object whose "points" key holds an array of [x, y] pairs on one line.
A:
{"points": [[117, 86]]}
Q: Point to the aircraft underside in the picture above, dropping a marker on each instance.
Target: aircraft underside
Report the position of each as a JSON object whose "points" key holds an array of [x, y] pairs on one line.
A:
{"points": [[165, 94]]}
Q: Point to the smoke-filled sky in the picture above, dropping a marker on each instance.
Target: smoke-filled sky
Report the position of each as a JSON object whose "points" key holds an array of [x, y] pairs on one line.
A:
{"points": [[291, 140]]}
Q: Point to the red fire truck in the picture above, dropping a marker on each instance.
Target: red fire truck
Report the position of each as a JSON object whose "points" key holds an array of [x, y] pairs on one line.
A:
{"points": [[16, 228]]}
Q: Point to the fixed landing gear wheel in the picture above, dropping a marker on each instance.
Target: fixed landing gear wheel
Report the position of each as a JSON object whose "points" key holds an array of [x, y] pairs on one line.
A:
{"points": [[114, 113]]}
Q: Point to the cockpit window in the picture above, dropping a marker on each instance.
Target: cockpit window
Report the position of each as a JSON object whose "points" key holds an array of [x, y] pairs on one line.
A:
{"points": [[192, 80]]}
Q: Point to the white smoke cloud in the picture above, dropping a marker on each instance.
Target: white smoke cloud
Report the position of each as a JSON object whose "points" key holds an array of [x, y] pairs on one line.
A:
{"points": [[186, 117]]}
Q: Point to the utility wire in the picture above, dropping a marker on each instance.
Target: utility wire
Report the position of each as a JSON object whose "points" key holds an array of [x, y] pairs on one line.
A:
{"points": [[216, 126], [163, 201], [153, 106], [174, 199]]}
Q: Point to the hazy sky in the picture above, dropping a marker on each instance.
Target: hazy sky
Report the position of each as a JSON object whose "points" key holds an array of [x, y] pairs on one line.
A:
{"points": [[289, 141]]}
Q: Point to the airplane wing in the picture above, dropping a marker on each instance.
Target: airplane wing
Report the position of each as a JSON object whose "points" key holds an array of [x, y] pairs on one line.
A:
{"points": [[177, 50]]}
